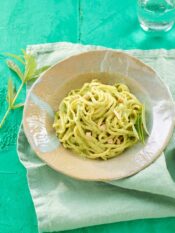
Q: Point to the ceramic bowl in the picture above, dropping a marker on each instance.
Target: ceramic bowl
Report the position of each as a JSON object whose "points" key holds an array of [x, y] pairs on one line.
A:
{"points": [[109, 67]]}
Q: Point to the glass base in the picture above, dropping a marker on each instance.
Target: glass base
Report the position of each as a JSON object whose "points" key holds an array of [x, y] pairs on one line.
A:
{"points": [[155, 27]]}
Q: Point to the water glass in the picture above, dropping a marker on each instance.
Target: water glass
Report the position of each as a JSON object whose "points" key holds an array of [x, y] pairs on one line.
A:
{"points": [[156, 15]]}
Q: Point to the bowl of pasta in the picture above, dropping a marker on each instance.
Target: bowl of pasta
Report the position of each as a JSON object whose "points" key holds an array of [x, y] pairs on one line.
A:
{"points": [[99, 115]]}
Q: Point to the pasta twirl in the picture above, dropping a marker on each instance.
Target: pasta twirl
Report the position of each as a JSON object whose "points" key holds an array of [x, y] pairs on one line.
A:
{"points": [[99, 121]]}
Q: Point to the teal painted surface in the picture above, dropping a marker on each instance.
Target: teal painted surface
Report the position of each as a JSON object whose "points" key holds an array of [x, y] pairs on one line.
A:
{"points": [[111, 23], [114, 24]]}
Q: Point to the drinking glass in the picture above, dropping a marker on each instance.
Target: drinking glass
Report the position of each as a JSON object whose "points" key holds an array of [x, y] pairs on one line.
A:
{"points": [[156, 15]]}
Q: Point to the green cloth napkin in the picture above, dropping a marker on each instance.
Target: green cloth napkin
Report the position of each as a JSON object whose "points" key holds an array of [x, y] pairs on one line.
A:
{"points": [[63, 203]]}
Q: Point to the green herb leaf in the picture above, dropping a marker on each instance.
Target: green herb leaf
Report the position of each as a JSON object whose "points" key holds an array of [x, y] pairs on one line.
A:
{"points": [[135, 132], [144, 119], [15, 68], [30, 66], [18, 58], [30, 72], [142, 138], [18, 106], [139, 129], [10, 93], [38, 72], [41, 70]]}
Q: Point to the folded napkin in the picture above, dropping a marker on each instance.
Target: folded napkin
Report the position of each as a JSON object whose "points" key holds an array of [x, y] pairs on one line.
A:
{"points": [[63, 203]]}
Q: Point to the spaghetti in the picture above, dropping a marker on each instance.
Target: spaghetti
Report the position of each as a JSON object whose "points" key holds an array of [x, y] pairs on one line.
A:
{"points": [[100, 121]]}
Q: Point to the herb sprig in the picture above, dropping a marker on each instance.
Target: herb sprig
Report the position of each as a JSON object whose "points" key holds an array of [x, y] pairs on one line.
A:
{"points": [[140, 126], [30, 72]]}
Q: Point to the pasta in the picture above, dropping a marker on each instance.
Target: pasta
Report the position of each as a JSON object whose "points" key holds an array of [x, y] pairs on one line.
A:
{"points": [[100, 121]]}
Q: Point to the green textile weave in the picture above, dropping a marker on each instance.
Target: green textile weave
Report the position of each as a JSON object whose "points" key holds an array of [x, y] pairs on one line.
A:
{"points": [[60, 201]]}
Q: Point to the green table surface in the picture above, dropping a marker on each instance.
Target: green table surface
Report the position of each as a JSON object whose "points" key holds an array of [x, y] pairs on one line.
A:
{"points": [[111, 23]]}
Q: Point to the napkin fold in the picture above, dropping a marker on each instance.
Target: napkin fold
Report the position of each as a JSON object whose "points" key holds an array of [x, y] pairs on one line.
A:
{"points": [[63, 203]]}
